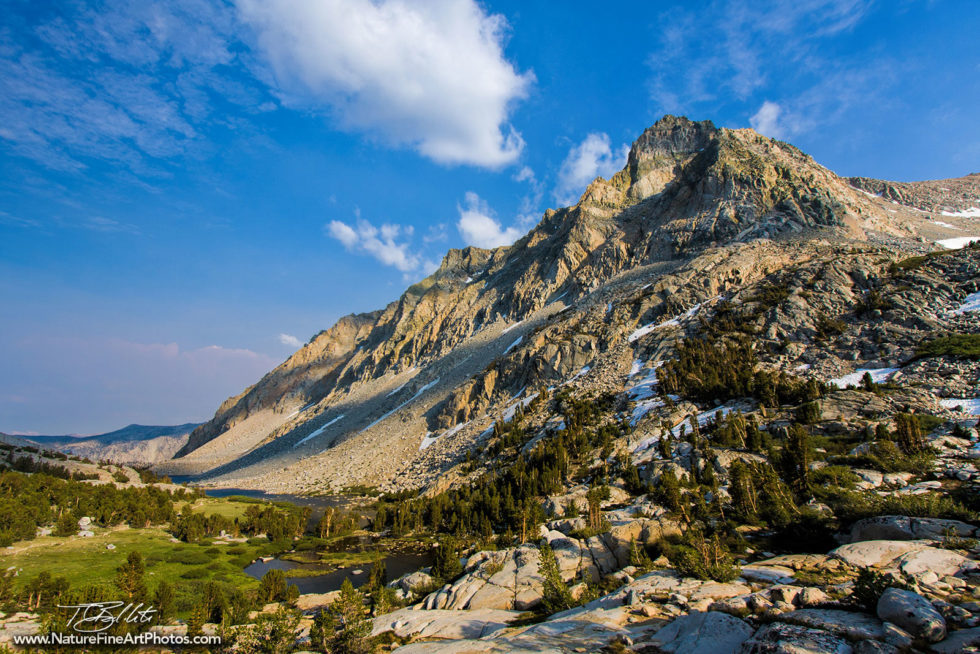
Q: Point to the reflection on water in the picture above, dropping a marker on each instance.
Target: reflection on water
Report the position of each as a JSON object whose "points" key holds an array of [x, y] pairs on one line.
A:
{"points": [[395, 565]]}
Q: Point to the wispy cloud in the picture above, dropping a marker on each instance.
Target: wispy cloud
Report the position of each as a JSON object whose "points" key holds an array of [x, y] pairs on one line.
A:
{"points": [[290, 340], [734, 52], [478, 227], [431, 75], [390, 244], [132, 84], [593, 157]]}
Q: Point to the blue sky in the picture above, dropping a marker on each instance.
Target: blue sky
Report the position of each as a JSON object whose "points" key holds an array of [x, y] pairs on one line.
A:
{"points": [[191, 189]]}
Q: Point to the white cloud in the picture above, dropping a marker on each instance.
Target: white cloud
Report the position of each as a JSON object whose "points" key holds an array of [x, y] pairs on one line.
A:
{"points": [[766, 120], [381, 243], [591, 158], [290, 340], [428, 74], [525, 174], [478, 228]]}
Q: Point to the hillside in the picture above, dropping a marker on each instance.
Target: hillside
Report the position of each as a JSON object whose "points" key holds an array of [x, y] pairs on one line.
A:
{"points": [[697, 213], [131, 445]]}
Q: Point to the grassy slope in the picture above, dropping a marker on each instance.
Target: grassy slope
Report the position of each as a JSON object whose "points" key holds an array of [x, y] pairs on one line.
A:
{"points": [[87, 562]]}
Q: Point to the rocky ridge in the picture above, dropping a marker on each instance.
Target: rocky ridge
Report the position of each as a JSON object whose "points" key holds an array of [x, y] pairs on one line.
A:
{"points": [[698, 212]]}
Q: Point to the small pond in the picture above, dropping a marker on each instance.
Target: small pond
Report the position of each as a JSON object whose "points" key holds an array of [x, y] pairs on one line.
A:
{"points": [[395, 564]]}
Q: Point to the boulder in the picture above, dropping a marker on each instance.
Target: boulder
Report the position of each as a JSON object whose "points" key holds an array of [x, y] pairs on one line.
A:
{"points": [[314, 601], [410, 582], [898, 527], [853, 626], [811, 596], [876, 553], [702, 633], [783, 638], [454, 625], [931, 560], [913, 613]]}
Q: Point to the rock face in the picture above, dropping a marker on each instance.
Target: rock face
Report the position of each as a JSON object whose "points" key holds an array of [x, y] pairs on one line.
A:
{"points": [[697, 213], [913, 613]]}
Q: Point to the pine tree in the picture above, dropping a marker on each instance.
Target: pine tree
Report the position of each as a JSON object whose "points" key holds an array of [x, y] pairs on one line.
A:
{"points": [[379, 575], [165, 603], [668, 489], [323, 629], [796, 460], [272, 588], [348, 609], [908, 434], [129, 578], [446, 565], [67, 525], [555, 593], [195, 622], [742, 489], [639, 557]]}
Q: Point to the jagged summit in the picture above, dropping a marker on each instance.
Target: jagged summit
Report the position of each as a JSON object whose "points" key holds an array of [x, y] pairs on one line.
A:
{"points": [[696, 210]]}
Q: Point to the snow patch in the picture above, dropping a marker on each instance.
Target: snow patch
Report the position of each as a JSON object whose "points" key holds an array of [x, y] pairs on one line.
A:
{"points": [[580, 373], [703, 419], [643, 408], [673, 322], [878, 375], [408, 401], [318, 431], [972, 303], [512, 326], [427, 440], [946, 225], [412, 369], [957, 243], [968, 405], [514, 344], [972, 212], [300, 410], [512, 409]]}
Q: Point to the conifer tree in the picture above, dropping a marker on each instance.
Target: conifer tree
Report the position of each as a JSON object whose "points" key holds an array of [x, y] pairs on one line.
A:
{"points": [[908, 434], [668, 489], [348, 609], [129, 578], [795, 460], [165, 603], [555, 593]]}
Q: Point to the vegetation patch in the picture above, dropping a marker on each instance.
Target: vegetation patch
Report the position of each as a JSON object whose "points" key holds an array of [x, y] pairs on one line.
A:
{"points": [[961, 346]]}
